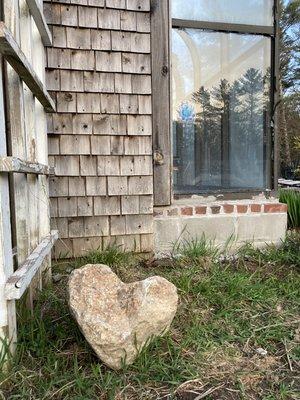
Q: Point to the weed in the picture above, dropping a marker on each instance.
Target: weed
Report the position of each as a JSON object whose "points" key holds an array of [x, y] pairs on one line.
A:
{"points": [[287, 253], [113, 256], [193, 251], [292, 199]]}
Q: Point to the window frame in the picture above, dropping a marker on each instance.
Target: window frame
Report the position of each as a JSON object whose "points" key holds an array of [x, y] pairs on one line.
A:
{"points": [[224, 27], [162, 25]]}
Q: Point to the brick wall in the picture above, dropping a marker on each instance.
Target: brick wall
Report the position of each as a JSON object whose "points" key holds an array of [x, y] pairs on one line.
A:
{"points": [[221, 208], [99, 73]]}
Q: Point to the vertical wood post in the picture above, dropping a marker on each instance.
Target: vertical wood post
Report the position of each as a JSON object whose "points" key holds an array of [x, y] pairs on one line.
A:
{"points": [[161, 84], [41, 155], [7, 308], [16, 137]]}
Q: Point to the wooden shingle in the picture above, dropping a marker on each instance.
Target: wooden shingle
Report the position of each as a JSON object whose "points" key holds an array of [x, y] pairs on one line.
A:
{"points": [[87, 17], [101, 40], [108, 166], [69, 15], [88, 166], [107, 205], [109, 19], [77, 186], [71, 81], [78, 38], [101, 137], [139, 5], [128, 21], [108, 61], [96, 186], [71, 144]]}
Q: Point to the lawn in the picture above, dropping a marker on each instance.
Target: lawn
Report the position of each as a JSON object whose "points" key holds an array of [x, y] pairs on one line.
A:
{"points": [[236, 334]]}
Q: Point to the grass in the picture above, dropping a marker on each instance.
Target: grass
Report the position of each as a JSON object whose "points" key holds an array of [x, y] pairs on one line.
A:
{"points": [[292, 199], [228, 310]]}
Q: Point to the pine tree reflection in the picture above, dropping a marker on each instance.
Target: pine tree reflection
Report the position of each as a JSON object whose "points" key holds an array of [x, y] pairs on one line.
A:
{"points": [[223, 145]]}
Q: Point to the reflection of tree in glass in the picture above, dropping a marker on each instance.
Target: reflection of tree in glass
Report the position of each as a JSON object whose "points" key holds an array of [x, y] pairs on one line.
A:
{"points": [[224, 144], [232, 120], [244, 99], [250, 99]]}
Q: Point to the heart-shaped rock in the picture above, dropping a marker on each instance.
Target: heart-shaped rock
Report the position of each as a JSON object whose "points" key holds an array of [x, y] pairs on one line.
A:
{"points": [[118, 319]]}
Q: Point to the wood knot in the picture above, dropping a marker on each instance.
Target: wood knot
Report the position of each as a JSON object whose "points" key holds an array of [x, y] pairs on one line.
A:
{"points": [[158, 157], [165, 70], [68, 97]]}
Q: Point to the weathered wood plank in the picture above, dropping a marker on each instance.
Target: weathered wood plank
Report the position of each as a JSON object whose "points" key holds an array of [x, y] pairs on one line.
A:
{"points": [[43, 195], [26, 196], [14, 164], [39, 19], [8, 328], [14, 12], [161, 102], [19, 281], [16, 58]]}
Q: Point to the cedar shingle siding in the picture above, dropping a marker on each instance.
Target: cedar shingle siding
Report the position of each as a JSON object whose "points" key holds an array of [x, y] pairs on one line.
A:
{"points": [[100, 139]]}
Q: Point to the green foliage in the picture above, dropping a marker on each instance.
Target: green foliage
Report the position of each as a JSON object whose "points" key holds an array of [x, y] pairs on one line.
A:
{"points": [[288, 253], [225, 313], [290, 45], [292, 199], [291, 104], [195, 250], [289, 108], [111, 255]]}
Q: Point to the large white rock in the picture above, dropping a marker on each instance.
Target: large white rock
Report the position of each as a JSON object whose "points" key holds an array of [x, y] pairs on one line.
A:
{"points": [[118, 319]]}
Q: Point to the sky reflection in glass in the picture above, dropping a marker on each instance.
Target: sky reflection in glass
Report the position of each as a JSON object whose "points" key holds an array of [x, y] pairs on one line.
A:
{"points": [[249, 12]]}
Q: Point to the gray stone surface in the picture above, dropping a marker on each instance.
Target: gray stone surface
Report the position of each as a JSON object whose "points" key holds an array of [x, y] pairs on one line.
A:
{"points": [[119, 319]]}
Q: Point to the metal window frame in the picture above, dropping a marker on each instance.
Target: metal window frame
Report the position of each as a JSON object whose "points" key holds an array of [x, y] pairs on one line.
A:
{"points": [[272, 158], [224, 27]]}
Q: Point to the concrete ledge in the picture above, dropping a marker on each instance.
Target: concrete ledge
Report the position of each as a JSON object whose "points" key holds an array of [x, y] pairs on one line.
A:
{"points": [[261, 223]]}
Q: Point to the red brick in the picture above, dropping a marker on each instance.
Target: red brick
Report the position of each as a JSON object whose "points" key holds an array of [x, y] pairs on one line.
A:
{"points": [[201, 210], [242, 209], [255, 208], [228, 208], [172, 212], [275, 208], [215, 209], [187, 211]]}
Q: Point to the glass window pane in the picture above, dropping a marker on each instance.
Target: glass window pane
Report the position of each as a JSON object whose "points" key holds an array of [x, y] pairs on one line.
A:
{"points": [[249, 12], [220, 108]]}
